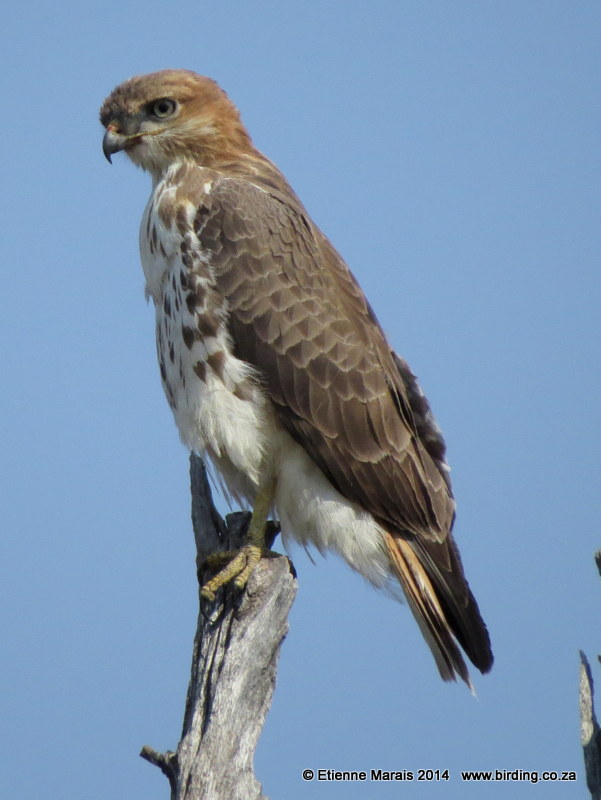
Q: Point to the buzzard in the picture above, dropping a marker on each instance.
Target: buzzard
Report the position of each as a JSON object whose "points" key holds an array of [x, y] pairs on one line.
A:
{"points": [[276, 368]]}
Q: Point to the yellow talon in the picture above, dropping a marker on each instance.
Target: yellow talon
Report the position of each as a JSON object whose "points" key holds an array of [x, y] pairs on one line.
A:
{"points": [[240, 564], [237, 570], [253, 555]]}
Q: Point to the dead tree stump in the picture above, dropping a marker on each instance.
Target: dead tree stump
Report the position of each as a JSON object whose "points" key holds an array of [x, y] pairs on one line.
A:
{"points": [[234, 661], [590, 734]]}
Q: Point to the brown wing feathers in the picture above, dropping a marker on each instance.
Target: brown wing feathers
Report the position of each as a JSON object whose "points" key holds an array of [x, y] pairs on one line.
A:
{"points": [[297, 314]]}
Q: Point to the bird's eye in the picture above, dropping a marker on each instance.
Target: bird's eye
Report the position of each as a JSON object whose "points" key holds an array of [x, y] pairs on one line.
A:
{"points": [[163, 107]]}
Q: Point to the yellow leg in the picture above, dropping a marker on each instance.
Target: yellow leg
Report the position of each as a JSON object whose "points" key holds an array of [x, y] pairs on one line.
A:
{"points": [[242, 562]]}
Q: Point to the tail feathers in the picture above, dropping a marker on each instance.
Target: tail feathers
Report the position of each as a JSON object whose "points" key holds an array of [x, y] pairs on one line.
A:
{"points": [[445, 609]]}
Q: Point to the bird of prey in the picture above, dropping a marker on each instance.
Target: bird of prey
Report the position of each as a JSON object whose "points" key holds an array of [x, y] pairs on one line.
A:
{"points": [[276, 368]]}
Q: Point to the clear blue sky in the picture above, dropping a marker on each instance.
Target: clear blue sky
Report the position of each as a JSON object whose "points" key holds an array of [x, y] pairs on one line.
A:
{"points": [[450, 150]]}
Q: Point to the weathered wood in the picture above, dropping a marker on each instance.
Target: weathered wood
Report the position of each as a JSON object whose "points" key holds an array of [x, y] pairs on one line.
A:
{"points": [[234, 661], [590, 733]]}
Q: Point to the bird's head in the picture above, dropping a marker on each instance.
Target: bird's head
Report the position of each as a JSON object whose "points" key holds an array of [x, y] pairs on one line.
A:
{"points": [[172, 116]]}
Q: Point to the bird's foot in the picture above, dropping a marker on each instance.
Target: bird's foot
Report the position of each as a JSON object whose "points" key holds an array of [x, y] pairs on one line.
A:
{"points": [[239, 565]]}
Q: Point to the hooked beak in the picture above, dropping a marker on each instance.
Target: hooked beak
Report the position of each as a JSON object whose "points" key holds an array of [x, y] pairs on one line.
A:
{"points": [[113, 142]]}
